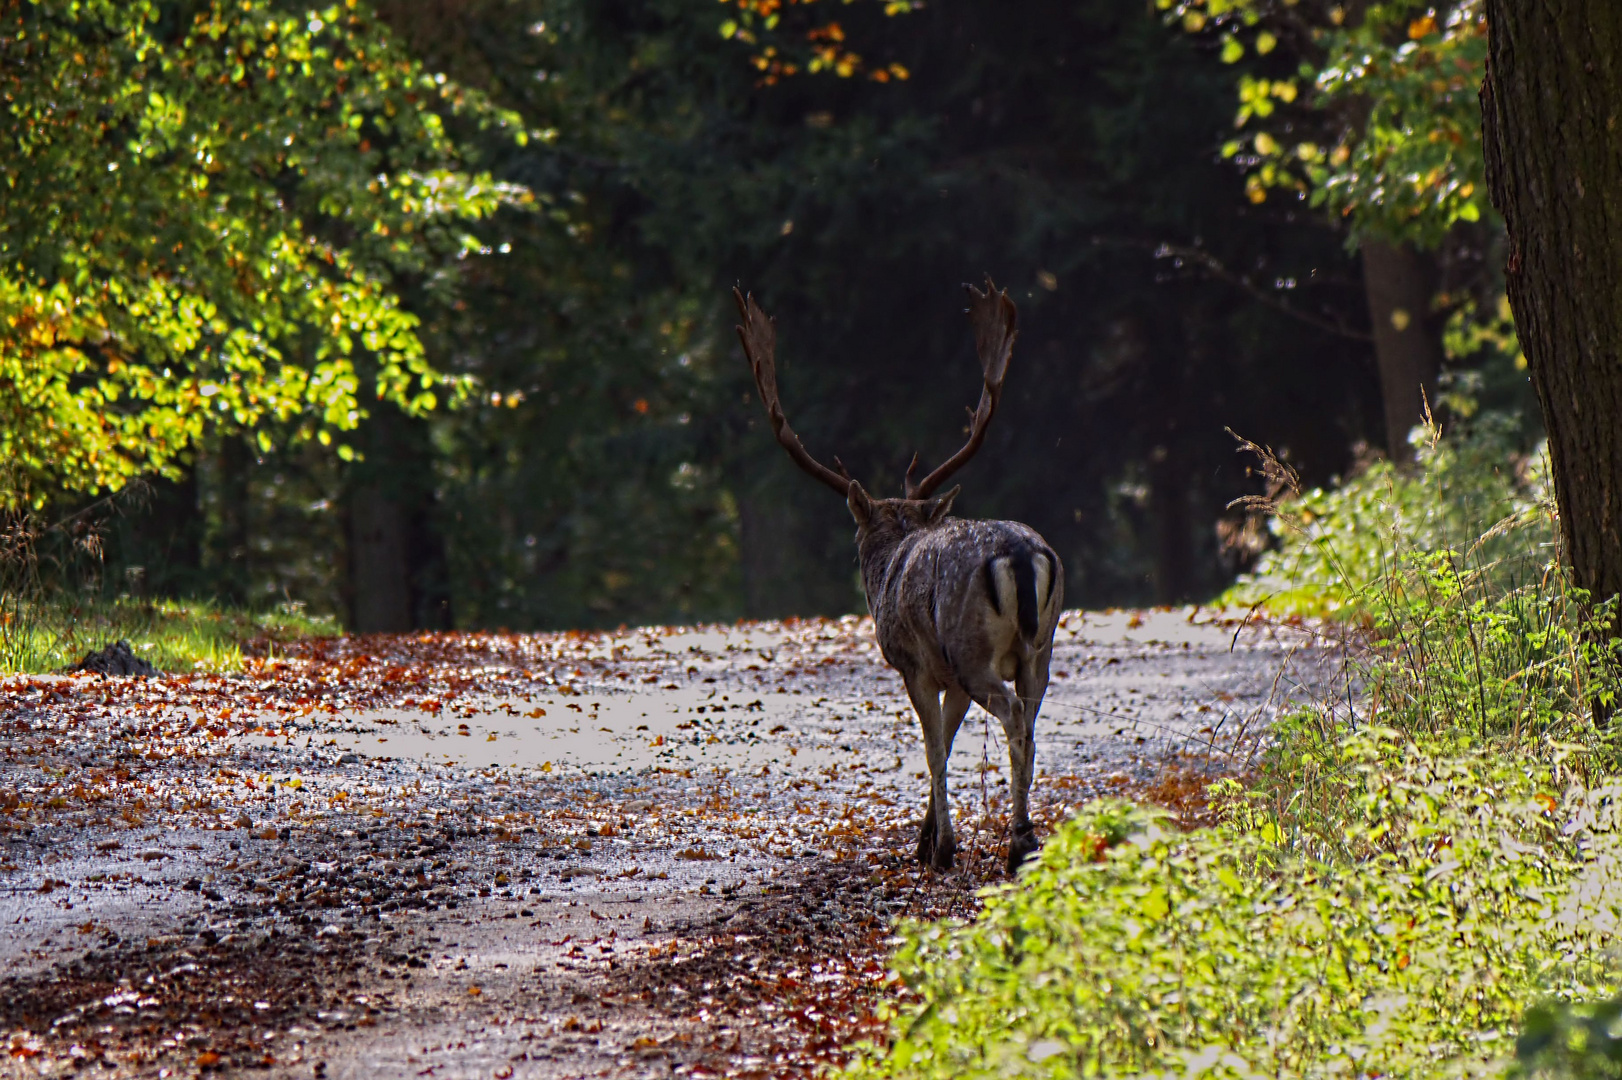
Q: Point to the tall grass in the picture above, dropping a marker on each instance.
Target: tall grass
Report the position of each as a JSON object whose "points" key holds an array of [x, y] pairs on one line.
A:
{"points": [[1461, 632], [1414, 863], [54, 607]]}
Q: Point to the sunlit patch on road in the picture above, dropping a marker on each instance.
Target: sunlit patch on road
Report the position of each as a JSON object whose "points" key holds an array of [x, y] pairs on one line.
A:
{"points": [[456, 854]]}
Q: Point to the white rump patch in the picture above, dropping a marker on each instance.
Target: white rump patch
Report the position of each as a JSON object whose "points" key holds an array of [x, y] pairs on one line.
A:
{"points": [[1044, 580], [1002, 573]]}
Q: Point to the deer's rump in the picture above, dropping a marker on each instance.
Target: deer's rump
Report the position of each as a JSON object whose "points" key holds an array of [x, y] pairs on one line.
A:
{"points": [[969, 594], [1021, 582]]}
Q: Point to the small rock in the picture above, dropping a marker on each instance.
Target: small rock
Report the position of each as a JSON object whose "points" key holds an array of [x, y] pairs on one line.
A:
{"points": [[108, 845], [571, 872], [116, 659]]}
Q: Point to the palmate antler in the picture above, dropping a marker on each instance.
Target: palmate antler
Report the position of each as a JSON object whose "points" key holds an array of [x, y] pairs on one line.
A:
{"points": [[996, 324], [758, 334]]}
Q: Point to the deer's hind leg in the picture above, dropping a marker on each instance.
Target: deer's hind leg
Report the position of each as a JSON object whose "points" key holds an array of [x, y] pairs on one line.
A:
{"points": [[1016, 710], [1031, 685], [939, 721]]}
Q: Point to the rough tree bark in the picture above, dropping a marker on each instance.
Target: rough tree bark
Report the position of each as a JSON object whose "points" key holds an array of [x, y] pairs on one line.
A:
{"points": [[379, 571], [1551, 107], [1400, 284], [229, 552], [396, 561]]}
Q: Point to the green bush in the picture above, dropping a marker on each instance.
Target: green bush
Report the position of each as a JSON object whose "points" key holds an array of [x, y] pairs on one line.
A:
{"points": [[1133, 949], [1579, 1042], [1407, 870], [49, 632], [1473, 493]]}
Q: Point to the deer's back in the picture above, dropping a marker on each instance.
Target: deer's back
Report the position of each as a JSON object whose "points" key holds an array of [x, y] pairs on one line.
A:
{"points": [[955, 594]]}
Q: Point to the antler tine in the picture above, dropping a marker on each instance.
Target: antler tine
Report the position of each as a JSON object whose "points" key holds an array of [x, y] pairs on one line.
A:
{"points": [[758, 335], [995, 321]]}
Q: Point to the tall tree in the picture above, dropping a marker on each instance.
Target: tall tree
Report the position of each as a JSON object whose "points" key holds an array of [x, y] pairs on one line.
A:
{"points": [[205, 212], [1366, 109], [1550, 108]]}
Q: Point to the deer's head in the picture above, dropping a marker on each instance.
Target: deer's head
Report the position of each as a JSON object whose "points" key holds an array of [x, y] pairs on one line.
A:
{"points": [[886, 520], [996, 324]]}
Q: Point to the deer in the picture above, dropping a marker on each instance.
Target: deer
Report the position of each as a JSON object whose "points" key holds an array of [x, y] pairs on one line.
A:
{"points": [[960, 608]]}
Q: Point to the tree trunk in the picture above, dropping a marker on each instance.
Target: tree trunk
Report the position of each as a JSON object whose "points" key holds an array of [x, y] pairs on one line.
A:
{"points": [[1551, 105], [228, 551], [1173, 525], [397, 572], [379, 569], [1400, 284]]}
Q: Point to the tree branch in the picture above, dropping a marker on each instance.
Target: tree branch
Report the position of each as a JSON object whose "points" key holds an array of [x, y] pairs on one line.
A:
{"points": [[1219, 270]]}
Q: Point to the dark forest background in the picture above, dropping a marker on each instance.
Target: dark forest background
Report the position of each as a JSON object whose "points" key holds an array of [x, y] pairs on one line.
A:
{"points": [[615, 467]]}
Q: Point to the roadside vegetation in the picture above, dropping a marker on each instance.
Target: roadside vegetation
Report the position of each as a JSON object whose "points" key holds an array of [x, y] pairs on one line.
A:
{"points": [[1405, 871], [49, 634], [1418, 875], [57, 604]]}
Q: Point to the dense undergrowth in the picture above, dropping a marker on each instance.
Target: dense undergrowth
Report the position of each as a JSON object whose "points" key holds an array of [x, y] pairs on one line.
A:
{"points": [[1422, 875], [56, 606], [44, 634]]}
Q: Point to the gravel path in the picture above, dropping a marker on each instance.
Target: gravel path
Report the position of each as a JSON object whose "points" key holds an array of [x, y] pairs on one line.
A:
{"points": [[652, 853]]}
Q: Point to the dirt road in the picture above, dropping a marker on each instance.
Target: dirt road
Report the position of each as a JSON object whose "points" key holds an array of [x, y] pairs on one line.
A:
{"points": [[651, 853]]}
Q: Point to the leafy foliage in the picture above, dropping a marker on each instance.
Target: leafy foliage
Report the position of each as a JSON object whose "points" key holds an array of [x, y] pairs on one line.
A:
{"points": [[1473, 499], [1379, 123], [1576, 1041], [208, 209], [818, 45], [1131, 948]]}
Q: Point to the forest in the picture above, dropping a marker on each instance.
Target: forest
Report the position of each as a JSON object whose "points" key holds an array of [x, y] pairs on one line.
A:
{"points": [[371, 365], [562, 433]]}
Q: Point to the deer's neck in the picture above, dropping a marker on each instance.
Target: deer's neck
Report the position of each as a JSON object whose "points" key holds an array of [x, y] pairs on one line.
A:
{"points": [[879, 554]]}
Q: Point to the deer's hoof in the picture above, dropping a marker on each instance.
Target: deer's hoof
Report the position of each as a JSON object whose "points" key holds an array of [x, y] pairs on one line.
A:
{"points": [[926, 841], [1021, 846], [926, 847], [945, 856]]}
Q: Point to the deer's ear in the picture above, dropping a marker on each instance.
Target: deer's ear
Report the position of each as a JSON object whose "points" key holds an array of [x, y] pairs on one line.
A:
{"points": [[861, 507], [939, 507]]}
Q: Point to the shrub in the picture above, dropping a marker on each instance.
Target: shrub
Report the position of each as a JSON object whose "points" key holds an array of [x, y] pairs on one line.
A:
{"points": [[1134, 949], [48, 633], [1471, 493]]}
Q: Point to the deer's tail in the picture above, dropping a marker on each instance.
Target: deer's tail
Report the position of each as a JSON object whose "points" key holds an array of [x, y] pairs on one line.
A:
{"points": [[1022, 579]]}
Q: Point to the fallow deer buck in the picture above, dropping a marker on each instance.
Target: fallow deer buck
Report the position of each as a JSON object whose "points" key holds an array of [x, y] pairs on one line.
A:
{"points": [[961, 607]]}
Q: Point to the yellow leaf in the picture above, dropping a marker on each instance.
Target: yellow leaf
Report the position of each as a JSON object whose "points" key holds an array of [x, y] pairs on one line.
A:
{"points": [[1422, 27]]}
